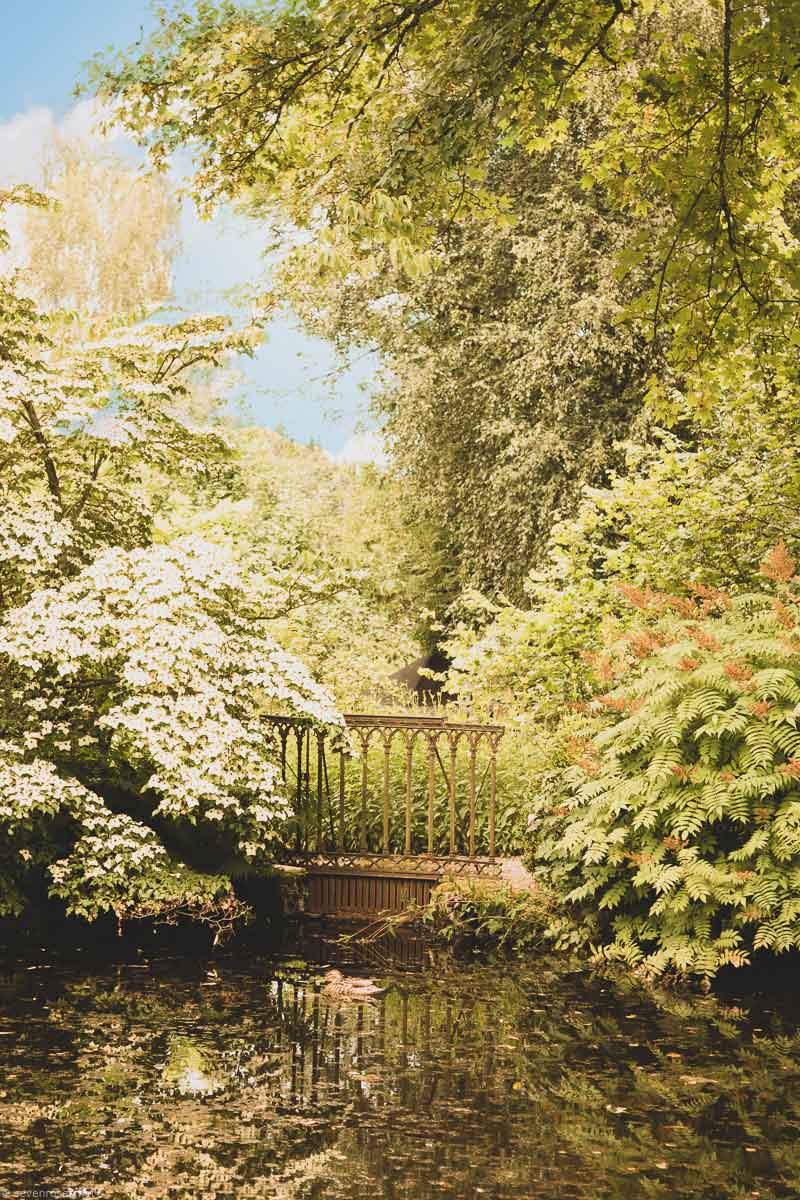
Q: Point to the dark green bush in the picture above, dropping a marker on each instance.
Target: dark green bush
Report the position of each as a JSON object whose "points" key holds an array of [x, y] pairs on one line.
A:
{"points": [[478, 915], [676, 837]]}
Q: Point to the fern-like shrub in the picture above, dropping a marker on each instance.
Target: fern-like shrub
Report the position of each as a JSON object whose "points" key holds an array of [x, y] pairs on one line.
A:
{"points": [[676, 838], [476, 915]]}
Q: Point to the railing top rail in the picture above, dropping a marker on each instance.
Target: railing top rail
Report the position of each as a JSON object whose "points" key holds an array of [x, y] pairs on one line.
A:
{"points": [[402, 721], [391, 721], [475, 726]]}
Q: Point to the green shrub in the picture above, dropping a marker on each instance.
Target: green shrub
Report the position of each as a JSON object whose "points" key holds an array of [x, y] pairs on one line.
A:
{"points": [[471, 913], [677, 834]]}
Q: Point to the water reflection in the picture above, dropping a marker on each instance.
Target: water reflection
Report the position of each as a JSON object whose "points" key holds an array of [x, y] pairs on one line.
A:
{"points": [[251, 1078]]}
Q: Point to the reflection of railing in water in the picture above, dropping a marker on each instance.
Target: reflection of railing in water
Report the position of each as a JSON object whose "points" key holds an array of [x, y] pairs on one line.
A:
{"points": [[405, 948], [347, 1045], [322, 810]]}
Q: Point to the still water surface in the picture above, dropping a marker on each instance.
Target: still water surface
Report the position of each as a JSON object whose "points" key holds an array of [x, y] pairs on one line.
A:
{"points": [[242, 1076]]}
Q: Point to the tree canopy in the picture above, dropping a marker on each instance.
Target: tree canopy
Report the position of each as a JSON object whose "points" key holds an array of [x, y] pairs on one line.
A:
{"points": [[376, 125], [509, 378]]}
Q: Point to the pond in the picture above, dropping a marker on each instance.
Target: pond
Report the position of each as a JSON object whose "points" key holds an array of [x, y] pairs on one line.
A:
{"points": [[240, 1075]]}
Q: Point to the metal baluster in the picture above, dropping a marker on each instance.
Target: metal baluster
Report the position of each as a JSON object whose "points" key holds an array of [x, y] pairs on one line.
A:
{"points": [[431, 787], [327, 786], [298, 733], [307, 809], [473, 750], [410, 739], [492, 793], [453, 752], [387, 747], [283, 732], [319, 791], [364, 753], [341, 800]]}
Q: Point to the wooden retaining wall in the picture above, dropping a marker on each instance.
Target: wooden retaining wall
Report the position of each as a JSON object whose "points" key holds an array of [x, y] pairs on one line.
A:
{"points": [[331, 893]]}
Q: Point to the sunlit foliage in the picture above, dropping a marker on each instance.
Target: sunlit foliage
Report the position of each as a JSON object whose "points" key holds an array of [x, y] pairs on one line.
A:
{"points": [[133, 673], [679, 827]]}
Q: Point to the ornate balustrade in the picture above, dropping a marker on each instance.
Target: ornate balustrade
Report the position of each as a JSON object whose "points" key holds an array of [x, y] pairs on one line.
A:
{"points": [[411, 786]]}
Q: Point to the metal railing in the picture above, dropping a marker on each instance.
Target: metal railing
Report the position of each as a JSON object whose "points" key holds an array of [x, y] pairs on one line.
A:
{"points": [[440, 797]]}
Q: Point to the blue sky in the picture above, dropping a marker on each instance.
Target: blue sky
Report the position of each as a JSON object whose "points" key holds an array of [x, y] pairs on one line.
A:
{"points": [[293, 382]]}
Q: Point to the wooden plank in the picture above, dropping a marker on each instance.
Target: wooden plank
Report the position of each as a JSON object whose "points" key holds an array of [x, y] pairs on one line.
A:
{"points": [[349, 895]]}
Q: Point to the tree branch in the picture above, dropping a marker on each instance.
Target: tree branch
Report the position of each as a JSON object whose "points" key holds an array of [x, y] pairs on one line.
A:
{"points": [[53, 482]]}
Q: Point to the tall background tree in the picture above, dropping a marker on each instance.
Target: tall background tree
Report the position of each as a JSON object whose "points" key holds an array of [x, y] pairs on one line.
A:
{"points": [[542, 216], [510, 373], [103, 251]]}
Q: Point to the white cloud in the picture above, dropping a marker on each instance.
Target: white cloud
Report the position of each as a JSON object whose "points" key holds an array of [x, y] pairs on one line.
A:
{"points": [[22, 142], [363, 448], [83, 121], [25, 138]]}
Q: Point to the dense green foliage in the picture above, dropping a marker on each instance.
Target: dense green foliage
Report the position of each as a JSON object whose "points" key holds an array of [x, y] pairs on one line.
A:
{"points": [[343, 572], [508, 373], [694, 523], [680, 828], [675, 516], [470, 915], [134, 672], [571, 232]]}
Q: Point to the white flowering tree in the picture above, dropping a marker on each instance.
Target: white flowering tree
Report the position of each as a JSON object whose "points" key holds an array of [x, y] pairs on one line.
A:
{"points": [[133, 756]]}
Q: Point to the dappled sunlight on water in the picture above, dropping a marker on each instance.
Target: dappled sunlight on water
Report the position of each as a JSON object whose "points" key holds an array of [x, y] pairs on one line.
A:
{"points": [[250, 1077]]}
